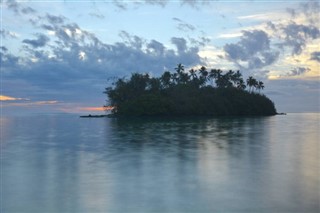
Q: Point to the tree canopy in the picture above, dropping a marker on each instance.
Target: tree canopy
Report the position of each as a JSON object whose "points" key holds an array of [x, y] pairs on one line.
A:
{"points": [[194, 92]]}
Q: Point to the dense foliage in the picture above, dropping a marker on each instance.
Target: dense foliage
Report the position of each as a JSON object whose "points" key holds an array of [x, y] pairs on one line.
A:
{"points": [[196, 92]]}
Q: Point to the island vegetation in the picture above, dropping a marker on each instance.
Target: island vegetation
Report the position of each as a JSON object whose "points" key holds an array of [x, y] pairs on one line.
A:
{"points": [[194, 92]]}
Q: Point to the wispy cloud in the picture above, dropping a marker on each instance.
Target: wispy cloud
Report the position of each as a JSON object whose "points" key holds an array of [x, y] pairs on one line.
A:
{"points": [[184, 26], [18, 8], [8, 34], [230, 35], [41, 41], [9, 98], [261, 16], [97, 15], [296, 36], [30, 103], [315, 56], [124, 5], [28, 10]]}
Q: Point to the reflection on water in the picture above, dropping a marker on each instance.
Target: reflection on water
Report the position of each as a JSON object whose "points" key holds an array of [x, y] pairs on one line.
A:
{"points": [[68, 164]]}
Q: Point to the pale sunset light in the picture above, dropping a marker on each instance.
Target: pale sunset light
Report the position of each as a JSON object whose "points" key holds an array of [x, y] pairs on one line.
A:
{"points": [[98, 109], [63, 52], [9, 98]]}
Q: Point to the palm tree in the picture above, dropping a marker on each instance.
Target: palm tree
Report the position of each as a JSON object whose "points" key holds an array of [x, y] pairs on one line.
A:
{"points": [[203, 75], [252, 83], [165, 79], [236, 78], [241, 85], [138, 82], [180, 76], [260, 86], [215, 74], [175, 78], [179, 68], [193, 74], [184, 77], [154, 84]]}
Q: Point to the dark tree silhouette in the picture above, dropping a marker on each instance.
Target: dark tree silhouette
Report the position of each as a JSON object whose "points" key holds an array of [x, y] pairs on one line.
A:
{"points": [[252, 83], [260, 86], [165, 79], [189, 93]]}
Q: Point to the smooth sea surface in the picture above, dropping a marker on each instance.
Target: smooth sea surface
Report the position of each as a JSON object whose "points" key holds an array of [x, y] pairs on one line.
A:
{"points": [[63, 163]]}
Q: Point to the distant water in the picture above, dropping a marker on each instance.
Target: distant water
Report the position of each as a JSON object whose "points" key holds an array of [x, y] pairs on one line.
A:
{"points": [[57, 163]]}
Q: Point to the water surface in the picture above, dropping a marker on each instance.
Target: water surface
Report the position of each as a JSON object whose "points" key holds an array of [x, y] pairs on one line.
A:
{"points": [[54, 163]]}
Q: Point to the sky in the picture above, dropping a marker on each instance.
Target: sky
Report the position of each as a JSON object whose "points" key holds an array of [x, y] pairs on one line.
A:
{"points": [[59, 56]]}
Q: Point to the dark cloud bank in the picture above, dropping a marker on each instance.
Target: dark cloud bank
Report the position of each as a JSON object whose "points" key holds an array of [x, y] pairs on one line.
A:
{"points": [[74, 60], [253, 50]]}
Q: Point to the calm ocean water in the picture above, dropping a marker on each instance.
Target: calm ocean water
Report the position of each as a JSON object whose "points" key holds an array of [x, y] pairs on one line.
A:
{"points": [[55, 163]]}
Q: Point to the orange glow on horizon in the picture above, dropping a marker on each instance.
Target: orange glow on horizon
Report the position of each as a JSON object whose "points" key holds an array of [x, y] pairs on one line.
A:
{"points": [[96, 108], [8, 98]]}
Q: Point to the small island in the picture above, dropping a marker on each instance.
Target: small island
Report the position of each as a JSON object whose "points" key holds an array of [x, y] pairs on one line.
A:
{"points": [[198, 92]]}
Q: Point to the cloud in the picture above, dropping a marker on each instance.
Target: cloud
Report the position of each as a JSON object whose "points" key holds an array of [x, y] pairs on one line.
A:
{"points": [[262, 16], [180, 43], [311, 10], [67, 34], [41, 41], [97, 15], [132, 40], [156, 48], [28, 10], [201, 41], [17, 8], [315, 56], [250, 44], [297, 35], [298, 71], [58, 69], [301, 29], [252, 52], [195, 3], [183, 26], [53, 19], [14, 6], [30, 103], [54, 68], [230, 35], [7, 60], [292, 12], [123, 5], [279, 43], [8, 34], [9, 98], [9, 101], [120, 4], [161, 3], [45, 102], [3, 49]]}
